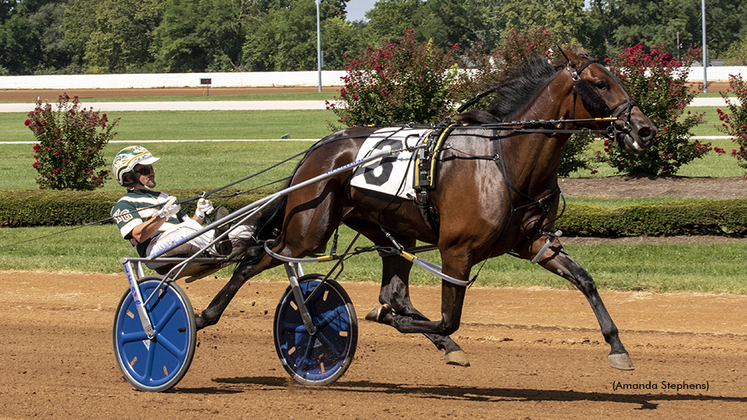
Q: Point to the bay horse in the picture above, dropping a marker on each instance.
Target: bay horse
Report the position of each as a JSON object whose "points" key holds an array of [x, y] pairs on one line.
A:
{"points": [[496, 192]]}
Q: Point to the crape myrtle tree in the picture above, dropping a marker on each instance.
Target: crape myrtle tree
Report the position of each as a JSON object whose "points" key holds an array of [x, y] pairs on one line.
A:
{"points": [[68, 153], [657, 83], [399, 81], [485, 71], [411, 81], [734, 122]]}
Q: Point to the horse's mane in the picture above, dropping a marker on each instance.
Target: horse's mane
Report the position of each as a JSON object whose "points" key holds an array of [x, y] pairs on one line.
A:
{"points": [[522, 84]]}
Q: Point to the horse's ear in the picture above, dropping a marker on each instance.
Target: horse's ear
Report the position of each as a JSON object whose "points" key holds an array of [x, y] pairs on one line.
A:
{"points": [[573, 59]]}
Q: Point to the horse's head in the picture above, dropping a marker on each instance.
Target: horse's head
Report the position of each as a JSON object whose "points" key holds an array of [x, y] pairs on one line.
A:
{"points": [[598, 93]]}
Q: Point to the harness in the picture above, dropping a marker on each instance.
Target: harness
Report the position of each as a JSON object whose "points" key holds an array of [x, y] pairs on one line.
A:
{"points": [[424, 182], [425, 164]]}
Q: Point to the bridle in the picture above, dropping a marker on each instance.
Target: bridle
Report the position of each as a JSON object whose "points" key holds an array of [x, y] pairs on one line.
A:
{"points": [[621, 111], [625, 106]]}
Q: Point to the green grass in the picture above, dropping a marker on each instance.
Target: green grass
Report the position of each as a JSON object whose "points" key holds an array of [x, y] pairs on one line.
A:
{"points": [[710, 165], [201, 165], [614, 203], [657, 268], [208, 159], [208, 165], [197, 125]]}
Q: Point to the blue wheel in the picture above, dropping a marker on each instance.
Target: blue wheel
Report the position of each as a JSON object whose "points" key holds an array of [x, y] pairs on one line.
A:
{"points": [[156, 364], [322, 358]]}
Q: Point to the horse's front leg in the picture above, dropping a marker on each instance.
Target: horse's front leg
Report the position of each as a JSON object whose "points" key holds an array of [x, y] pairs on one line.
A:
{"points": [[556, 260], [395, 298]]}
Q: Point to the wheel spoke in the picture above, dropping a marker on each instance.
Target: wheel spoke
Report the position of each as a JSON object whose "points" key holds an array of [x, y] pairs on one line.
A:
{"points": [[167, 314], [132, 337], [170, 347]]}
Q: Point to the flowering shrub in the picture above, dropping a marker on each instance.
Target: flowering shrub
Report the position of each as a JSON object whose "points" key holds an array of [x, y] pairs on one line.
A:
{"points": [[396, 82], [735, 124], [657, 83], [69, 145]]}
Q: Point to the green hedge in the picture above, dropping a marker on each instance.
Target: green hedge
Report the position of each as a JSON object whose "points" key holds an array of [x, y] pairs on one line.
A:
{"points": [[717, 217], [66, 208]]}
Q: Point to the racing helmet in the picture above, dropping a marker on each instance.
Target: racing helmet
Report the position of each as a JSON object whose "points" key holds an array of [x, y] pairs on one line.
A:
{"points": [[125, 162]]}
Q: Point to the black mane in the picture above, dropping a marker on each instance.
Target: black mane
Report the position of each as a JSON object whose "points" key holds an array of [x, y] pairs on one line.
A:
{"points": [[513, 93]]}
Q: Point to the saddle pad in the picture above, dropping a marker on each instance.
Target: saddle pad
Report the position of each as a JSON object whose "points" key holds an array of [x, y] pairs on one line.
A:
{"points": [[391, 175]]}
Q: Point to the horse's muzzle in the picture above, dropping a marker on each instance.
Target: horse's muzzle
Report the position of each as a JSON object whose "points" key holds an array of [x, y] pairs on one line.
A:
{"points": [[637, 134]]}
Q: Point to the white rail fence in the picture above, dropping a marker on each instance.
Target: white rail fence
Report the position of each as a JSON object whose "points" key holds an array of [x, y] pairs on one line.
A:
{"points": [[171, 80], [243, 79]]}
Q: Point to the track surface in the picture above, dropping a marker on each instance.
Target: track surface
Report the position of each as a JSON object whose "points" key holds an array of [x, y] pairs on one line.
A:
{"points": [[535, 353]]}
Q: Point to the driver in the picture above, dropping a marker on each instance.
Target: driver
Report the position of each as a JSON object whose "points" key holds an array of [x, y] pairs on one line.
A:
{"points": [[153, 221]]}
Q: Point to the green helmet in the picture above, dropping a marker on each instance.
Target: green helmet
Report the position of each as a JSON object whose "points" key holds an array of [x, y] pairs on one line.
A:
{"points": [[126, 160]]}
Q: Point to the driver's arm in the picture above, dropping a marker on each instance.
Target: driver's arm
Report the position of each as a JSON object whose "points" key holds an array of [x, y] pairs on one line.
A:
{"points": [[145, 230]]}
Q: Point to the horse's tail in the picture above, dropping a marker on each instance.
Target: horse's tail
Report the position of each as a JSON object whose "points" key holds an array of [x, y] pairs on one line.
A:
{"points": [[269, 224]]}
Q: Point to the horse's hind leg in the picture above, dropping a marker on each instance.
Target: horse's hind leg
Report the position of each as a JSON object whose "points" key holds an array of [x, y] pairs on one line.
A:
{"points": [[559, 262], [395, 296], [395, 291], [241, 274]]}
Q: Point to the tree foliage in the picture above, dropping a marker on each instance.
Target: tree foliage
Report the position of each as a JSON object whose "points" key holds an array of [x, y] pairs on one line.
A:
{"points": [[106, 36], [737, 53], [112, 36]]}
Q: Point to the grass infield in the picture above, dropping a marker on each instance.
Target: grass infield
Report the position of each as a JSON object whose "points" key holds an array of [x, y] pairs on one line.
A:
{"points": [[689, 267], [207, 165]]}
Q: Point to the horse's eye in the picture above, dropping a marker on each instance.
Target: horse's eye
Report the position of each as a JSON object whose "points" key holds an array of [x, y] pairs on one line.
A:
{"points": [[602, 84]]}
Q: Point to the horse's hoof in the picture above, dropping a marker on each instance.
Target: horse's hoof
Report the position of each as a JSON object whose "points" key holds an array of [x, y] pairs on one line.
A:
{"points": [[457, 357], [378, 314], [621, 361]]}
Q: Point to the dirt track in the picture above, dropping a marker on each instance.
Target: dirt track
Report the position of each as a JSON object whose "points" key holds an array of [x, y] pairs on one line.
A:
{"points": [[535, 353]]}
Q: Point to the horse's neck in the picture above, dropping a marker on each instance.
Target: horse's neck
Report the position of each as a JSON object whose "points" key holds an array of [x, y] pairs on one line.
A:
{"points": [[533, 159]]}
